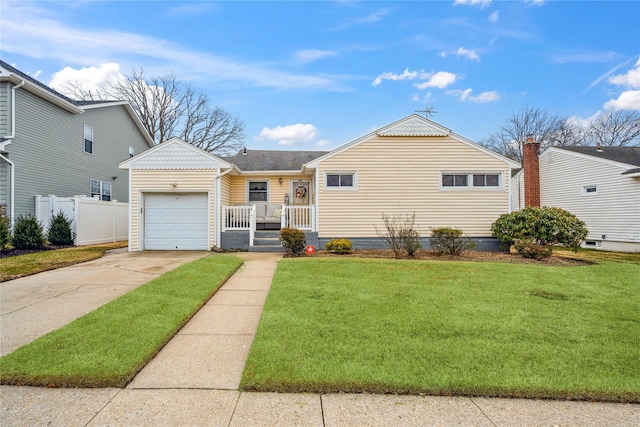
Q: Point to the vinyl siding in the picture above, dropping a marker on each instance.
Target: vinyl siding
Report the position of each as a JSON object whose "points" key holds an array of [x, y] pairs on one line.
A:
{"points": [[402, 176], [5, 108], [614, 211], [48, 150], [225, 190], [188, 181], [276, 190]]}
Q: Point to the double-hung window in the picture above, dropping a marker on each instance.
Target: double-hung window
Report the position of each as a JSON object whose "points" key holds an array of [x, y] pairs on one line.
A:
{"points": [[258, 191], [88, 139], [340, 180], [102, 189]]}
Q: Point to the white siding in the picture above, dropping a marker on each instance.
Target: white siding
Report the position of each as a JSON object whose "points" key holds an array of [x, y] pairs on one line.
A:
{"points": [[614, 211], [401, 175]]}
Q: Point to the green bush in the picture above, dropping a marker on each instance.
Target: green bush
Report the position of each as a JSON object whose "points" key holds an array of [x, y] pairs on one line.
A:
{"points": [[27, 233], [339, 246], [60, 230], [293, 240], [533, 231], [5, 233], [450, 241], [411, 242]]}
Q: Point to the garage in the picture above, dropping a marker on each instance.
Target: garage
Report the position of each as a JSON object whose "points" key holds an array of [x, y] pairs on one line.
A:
{"points": [[176, 221]]}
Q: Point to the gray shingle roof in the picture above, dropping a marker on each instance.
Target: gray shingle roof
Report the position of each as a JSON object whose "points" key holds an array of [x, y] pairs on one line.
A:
{"points": [[628, 155], [273, 160]]}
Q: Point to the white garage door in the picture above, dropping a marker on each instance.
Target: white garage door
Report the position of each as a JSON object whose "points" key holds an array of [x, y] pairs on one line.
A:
{"points": [[176, 221]]}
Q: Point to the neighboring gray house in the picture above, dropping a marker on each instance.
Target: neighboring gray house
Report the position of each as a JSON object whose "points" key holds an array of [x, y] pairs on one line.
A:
{"points": [[51, 144], [600, 185]]}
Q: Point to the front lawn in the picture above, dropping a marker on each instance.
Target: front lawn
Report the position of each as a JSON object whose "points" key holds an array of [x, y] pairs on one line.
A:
{"points": [[450, 328], [109, 346]]}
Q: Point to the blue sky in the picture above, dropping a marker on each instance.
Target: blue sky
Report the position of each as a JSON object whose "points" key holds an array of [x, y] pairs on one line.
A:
{"points": [[316, 75]]}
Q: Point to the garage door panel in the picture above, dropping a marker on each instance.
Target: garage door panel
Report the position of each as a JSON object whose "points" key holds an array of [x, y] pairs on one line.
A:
{"points": [[176, 221]]}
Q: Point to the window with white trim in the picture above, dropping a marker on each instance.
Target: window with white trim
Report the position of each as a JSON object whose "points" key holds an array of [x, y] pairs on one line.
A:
{"points": [[471, 180], [340, 180], [102, 189], [258, 191], [132, 151], [88, 139], [588, 190]]}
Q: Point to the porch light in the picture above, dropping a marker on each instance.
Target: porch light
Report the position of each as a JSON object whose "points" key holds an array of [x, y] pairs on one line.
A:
{"points": [[280, 180]]}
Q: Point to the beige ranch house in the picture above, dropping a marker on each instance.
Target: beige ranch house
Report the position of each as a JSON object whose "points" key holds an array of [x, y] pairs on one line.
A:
{"points": [[184, 198]]}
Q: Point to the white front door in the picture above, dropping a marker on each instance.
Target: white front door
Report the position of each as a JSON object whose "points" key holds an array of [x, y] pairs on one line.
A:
{"points": [[176, 221]]}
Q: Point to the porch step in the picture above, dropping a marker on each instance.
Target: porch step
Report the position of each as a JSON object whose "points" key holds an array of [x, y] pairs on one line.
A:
{"points": [[267, 234], [266, 241], [266, 248]]}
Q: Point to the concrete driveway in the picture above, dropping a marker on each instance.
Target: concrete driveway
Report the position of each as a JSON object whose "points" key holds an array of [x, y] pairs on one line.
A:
{"points": [[35, 305]]}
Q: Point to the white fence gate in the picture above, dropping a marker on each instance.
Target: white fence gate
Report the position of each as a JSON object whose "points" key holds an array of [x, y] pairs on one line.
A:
{"points": [[93, 220]]}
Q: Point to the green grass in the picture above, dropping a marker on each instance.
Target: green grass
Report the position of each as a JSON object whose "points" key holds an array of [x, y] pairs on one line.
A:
{"points": [[37, 262], [450, 328], [109, 346]]}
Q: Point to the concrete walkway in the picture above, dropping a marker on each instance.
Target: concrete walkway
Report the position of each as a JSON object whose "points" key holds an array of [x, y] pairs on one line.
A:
{"points": [[193, 381]]}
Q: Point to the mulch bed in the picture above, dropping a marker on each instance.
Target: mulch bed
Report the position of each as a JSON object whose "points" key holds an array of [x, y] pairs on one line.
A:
{"points": [[14, 252], [478, 256]]}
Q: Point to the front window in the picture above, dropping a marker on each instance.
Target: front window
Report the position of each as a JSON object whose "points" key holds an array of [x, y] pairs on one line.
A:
{"points": [[102, 189], [88, 139], [471, 180], [341, 180], [258, 191]]}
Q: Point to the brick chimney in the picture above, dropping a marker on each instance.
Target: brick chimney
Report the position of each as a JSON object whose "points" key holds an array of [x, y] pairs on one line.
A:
{"points": [[530, 163]]}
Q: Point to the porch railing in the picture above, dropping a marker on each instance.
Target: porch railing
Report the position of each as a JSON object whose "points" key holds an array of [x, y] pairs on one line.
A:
{"points": [[300, 217], [237, 217]]}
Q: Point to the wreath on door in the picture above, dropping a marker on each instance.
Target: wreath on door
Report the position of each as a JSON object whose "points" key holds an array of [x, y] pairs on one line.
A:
{"points": [[301, 192]]}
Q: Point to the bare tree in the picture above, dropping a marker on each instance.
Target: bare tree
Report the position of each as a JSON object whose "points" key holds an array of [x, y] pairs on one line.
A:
{"points": [[169, 107], [548, 129], [616, 128]]}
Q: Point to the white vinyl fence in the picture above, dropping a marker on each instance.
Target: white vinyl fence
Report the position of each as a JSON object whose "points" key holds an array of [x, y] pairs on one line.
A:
{"points": [[93, 221]]}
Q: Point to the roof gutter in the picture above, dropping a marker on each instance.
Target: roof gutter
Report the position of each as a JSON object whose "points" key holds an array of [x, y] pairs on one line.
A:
{"points": [[8, 138]]}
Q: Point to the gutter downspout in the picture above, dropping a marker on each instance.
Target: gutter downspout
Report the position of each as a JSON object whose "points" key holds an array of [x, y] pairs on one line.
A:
{"points": [[9, 140], [217, 205], [12, 177], [510, 191]]}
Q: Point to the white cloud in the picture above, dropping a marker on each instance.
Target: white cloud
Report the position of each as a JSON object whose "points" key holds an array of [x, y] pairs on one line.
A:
{"points": [[481, 3], [441, 79], [291, 134], [535, 2], [628, 100], [406, 75], [323, 143], [465, 53], [94, 79], [630, 79], [369, 19], [28, 29], [484, 97], [311, 55], [494, 17]]}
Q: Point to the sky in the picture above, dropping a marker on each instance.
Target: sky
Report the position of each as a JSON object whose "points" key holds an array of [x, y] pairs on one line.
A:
{"points": [[315, 75]]}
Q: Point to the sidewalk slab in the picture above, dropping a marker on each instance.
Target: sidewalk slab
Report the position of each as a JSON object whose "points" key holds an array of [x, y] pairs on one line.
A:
{"points": [[168, 408], [277, 409], [389, 410], [227, 297], [526, 412], [23, 406], [224, 320], [197, 361]]}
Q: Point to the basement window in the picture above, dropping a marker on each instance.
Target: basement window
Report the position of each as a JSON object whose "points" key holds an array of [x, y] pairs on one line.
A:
{"points": [[590, 190], [592, 244]]}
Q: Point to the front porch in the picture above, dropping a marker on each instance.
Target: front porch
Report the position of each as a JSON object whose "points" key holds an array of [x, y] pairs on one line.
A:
{"points": [[256, 227]]}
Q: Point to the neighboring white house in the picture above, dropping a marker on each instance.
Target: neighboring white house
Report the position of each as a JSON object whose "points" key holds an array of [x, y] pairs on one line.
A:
{"points": [[601, 186]]}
